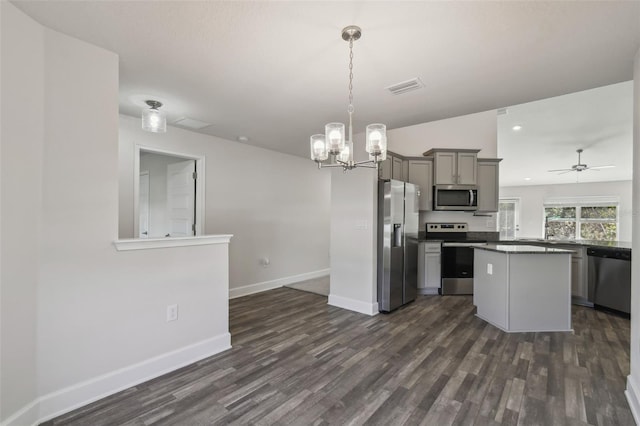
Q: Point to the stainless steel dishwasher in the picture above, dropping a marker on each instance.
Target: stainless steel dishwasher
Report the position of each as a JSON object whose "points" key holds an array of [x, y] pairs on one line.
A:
{"points": [[610, 278]]}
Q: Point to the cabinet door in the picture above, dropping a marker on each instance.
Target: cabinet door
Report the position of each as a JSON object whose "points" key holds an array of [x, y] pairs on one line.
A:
{"points": [[420, 173], [405, 170], [467, 168], [432, 269], [396, 168], [576, 276], [445, 168], [384, 169], [488, 186], [422, 277]]}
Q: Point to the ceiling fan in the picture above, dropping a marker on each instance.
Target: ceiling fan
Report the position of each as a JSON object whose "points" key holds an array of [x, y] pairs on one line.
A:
{"points": [[580, 167]]}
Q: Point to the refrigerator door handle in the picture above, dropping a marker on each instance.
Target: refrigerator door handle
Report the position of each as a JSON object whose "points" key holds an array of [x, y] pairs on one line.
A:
{"points": [[397, 235]]}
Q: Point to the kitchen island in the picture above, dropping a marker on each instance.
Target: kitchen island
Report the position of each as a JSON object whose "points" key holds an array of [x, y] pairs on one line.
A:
{"points": [[523, 288]]}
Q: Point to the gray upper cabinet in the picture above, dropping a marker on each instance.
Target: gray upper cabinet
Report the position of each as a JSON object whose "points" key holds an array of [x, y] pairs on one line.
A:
{"points": [[488, 184], [396, 168], [421, 174], [454, 167], [384, 168]]}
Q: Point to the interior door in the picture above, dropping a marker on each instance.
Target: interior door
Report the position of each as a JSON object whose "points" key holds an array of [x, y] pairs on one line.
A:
{"points": [[181, 198], [143, 205]]}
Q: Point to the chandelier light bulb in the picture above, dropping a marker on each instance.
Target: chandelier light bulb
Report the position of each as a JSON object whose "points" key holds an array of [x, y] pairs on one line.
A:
{"points": [[318, 148], [335, 137], [376, 139]]}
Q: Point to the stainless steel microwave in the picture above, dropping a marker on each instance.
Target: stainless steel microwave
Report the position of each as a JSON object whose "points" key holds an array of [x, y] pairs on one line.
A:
{"points": [[455, 197]]}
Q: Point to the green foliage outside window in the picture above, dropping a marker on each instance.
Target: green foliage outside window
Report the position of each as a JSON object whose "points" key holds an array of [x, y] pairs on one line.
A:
{"points": [[589, 222]]}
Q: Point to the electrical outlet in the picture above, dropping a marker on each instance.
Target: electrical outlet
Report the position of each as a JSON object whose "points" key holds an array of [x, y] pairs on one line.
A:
{"points": [[490, 268], [172, 313]]}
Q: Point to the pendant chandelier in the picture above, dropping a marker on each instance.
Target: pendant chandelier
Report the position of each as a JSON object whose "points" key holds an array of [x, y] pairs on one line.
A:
{"points": [[332, 149]]}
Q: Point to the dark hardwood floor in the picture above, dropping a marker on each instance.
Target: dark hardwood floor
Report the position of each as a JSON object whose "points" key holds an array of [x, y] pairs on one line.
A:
{"points": [[296, 360]]}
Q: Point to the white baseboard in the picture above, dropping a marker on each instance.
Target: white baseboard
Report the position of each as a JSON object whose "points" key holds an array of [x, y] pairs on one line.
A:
{"points": [[277, 283], [353, 305], [429, 291], [632, 393], [67, 399]]}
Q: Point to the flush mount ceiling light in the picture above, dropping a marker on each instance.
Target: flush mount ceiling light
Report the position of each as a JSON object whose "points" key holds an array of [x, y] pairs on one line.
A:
{"points": [[154, 120], [331, 149], [517, 128]]}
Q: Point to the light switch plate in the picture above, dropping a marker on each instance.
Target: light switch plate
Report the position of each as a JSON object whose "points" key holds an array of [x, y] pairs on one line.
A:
{"points": [[490, 268]]}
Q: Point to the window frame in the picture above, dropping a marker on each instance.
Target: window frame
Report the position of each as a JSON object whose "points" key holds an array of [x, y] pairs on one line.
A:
{"points": [[578, 203]]}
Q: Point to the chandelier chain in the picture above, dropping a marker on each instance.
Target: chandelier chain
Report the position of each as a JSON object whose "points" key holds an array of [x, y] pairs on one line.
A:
{"points": [[350, 109]]}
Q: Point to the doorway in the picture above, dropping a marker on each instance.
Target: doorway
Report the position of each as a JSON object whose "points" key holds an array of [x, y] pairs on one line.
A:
{"points": [[168, 194]]}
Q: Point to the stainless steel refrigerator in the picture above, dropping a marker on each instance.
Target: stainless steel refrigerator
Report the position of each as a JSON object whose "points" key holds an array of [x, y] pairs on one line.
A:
{"points": [[397, 244]]}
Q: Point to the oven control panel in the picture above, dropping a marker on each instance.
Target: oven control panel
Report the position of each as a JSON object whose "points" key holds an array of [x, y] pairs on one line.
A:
{"points": [[446, 227]]}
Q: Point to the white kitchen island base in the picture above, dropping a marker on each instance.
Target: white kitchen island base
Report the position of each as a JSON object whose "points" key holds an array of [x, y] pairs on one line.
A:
{"points": [[523, 288]]}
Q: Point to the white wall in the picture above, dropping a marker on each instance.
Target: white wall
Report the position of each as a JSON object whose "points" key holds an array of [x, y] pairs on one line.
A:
{"points": [[473, 131], [156, 165], [79, 319], [353, 240], [532, 199], [275, 205], [22, 132], [633, 380]]}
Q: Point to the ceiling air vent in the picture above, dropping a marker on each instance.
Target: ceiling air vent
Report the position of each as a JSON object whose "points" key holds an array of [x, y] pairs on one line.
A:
{"points": [[405, 86], [502, 111], [190, 123]]}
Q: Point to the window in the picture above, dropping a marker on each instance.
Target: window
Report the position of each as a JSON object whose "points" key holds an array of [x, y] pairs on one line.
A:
{"points": [[508, 212], [583, 220]]}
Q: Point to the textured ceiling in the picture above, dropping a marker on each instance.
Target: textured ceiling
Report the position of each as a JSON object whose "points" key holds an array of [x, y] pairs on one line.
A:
{"points": [[276, 72]]}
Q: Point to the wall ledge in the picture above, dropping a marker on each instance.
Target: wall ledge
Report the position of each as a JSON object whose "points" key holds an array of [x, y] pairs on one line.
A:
{"points": [[154, 243]]}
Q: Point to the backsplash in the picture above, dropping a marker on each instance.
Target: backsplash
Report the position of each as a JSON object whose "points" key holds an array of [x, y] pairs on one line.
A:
{"points": [[485, 223]]}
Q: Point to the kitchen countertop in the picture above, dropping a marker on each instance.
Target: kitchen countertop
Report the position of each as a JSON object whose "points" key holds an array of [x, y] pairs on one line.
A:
{"points": [[522, 249], [625, 245], [585, 243]]}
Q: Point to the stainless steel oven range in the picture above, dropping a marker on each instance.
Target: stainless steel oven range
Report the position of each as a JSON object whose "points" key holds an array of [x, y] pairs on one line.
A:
{"points": [[457, 256]]}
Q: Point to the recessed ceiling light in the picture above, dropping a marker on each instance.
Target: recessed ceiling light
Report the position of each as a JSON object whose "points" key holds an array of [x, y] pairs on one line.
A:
{"points": [[243, 139], [527, 178], [517, 127]]}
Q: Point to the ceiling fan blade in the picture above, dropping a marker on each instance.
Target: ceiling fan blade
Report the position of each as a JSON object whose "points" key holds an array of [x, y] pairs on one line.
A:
{"points": [[567, 171], [610, 166], [560, 170]]}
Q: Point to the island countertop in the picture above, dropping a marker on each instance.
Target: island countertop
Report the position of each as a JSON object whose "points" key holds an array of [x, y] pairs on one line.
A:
{"points": [[522, 249]]}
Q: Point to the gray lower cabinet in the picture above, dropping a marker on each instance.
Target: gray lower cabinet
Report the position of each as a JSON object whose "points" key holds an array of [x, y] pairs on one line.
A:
{"points": [[421, 174], [488, 184], [428, 268], [579, 271]]}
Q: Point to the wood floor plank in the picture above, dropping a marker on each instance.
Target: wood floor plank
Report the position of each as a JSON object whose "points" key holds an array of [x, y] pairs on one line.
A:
{"points": [[298, 361]]}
